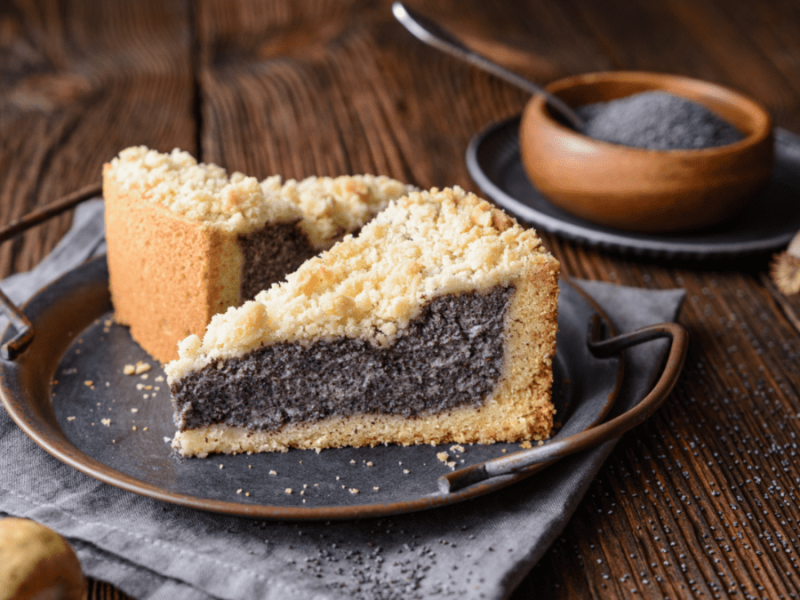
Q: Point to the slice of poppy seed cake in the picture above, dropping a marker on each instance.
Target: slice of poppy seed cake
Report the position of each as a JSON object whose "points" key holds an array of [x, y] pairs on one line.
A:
{"points": [[436, 324]]}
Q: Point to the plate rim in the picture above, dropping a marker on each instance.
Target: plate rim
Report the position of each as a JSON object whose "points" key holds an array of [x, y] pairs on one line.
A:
{"points": [[602, 237], [50, 437]]}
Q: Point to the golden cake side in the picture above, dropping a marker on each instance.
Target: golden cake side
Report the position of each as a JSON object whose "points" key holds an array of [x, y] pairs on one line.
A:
{"points": [[163, 296]]}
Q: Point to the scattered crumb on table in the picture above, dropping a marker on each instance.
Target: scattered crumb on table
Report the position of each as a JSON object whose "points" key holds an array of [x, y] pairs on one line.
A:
{"points": [[141, 367]]}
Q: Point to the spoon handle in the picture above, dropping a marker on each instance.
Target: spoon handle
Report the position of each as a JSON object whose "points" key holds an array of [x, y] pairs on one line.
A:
{"points": [[434, 35]]}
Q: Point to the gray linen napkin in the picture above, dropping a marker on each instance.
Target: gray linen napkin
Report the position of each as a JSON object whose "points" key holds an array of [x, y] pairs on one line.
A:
{"points": [[481, 548]]}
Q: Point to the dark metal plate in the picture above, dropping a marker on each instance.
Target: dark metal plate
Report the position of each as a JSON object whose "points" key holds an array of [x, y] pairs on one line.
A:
{"points": [[68, 392], [768, 222]]}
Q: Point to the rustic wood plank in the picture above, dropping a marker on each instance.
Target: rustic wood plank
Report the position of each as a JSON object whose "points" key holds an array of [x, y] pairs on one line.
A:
{"points": [[80, 82]]}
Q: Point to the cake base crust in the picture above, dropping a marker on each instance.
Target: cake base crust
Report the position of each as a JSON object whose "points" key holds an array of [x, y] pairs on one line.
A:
{"points": [[485, 425]]}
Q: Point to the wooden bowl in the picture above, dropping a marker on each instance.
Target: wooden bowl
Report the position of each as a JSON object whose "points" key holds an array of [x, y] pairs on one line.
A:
{"points": [[638, 189]]}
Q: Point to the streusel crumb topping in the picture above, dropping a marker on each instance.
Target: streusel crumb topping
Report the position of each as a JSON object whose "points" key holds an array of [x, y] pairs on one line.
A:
{"points": [[200, 192], [327, 207], [422, 246], [332, 207]]}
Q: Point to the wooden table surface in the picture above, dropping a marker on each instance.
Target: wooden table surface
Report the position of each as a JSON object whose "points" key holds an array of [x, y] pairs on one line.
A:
{"points": [[700, 501]]}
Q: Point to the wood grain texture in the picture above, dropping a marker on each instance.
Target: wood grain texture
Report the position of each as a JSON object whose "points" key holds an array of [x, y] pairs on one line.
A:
{"points": [[79, 82], [700, 501]]}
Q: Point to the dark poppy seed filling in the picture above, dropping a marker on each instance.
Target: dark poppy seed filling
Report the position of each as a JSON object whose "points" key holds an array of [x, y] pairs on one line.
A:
{"points": [[269, 254], [451, 355]]}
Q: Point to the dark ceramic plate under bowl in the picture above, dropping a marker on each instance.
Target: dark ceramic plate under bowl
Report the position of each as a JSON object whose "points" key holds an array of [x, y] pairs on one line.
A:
{"points": [[767, 223], [67, 390]]}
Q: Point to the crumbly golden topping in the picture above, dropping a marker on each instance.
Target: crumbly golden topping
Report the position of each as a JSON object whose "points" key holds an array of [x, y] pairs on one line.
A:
{"points": [[423, 246], [333, 207], [199, 192], [328, 207]]}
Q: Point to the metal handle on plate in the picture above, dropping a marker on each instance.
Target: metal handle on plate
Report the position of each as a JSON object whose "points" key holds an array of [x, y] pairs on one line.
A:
{"points": [[594, 436], [24, 336]]}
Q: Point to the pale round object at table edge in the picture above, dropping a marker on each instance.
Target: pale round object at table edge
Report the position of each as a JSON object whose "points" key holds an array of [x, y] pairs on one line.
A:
{"points": [[36, 562]]}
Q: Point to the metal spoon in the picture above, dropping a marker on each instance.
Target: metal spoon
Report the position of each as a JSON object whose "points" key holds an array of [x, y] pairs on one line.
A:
{"points": [[432, 34]]}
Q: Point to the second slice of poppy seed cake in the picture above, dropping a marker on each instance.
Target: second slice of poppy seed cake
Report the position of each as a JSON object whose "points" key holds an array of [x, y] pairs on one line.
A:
{"points": [[186, 240], [436, 324]]}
